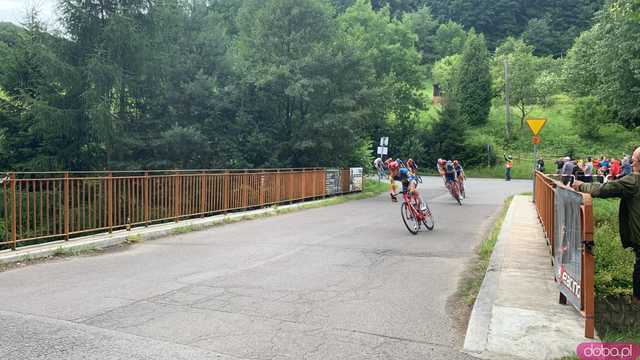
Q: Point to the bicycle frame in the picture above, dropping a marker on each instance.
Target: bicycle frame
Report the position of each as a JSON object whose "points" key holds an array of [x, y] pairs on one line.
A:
{"points": [[408, 200]]}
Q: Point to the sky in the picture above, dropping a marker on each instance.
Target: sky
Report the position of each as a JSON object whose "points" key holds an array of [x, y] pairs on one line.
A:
{"points": [[14, 11]]}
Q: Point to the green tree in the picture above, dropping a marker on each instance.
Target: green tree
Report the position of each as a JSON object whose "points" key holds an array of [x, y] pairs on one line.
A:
{"points": [[444, 73], [588, 116], [449, 39], [446, 137], [603, 62], [523, 73], [472, 91], [425, 26], [387, 45]]}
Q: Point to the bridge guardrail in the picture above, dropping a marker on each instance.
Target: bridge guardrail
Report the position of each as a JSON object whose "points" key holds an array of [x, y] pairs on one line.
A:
{"points": [[567, 220], [51, 206]]}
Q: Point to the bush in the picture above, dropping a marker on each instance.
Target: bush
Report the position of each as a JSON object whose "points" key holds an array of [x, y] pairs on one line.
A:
{"points": [[614, 265], [588, 116]]}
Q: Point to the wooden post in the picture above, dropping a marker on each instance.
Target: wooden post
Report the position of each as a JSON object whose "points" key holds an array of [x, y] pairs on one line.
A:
{"points": [[14, 228], [66, 206]]}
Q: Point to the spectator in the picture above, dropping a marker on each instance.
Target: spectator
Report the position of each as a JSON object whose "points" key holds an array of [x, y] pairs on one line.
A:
{"points": [[615, 171], [540, 165], [588, 171], [628, 189], [559, 165], [507, 166], [604, 167], [627, 169], [596, 164], [567, 170]]}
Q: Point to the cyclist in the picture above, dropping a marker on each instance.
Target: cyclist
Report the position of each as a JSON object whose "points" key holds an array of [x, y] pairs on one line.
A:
{"points": [[408, 180], [440, 166], [459, 170], [412, 166], [459, 175], [450, 172], [378, 164]]}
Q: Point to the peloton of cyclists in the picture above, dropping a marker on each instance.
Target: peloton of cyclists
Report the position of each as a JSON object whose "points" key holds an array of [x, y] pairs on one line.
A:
{"points": [[450, 170]]}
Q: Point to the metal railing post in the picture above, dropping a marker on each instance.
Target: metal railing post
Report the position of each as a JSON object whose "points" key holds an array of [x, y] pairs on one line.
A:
{"points": [[203, 191], [225, 191], [146, 198], [588, 268], [14, 227], [110, 202], [278, 185], [178, 197], [66, 206]]}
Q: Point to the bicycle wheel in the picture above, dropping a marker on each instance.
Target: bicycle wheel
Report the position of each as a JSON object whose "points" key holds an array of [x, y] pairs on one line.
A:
{"points": [[455, 192], [428, 216], [409, 219]]}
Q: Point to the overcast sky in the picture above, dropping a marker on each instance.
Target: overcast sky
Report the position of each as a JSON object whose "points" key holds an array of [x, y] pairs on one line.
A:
{"points": [[14, 11]]}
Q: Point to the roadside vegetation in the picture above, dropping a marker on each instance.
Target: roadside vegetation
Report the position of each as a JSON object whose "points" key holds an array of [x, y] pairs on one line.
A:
{"points": [[614, 271]]}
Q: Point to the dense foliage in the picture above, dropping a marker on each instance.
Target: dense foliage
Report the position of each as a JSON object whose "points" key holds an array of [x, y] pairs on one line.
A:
{"points": [[604, 61], [272, 83]]}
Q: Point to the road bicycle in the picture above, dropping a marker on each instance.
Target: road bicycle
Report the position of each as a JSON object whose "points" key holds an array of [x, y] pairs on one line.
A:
{"points": [[454, 190], [460, 182], [414, 217]]}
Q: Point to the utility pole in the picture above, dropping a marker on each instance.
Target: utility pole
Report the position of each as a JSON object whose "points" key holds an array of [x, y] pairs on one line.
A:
{"points": [[507, 106]]}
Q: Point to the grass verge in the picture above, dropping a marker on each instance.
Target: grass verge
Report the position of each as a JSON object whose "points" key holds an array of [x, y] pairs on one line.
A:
{"points": [[470, 285]]}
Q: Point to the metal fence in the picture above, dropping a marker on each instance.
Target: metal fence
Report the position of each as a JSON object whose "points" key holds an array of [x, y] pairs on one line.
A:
{"points": [[42, 207], [567, 219]]}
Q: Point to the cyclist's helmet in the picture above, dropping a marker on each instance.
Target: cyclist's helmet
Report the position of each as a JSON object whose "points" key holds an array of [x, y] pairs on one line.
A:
{"points": [[456, 162], [442, 161], [387, 162], [411, 164], [393, 165]]}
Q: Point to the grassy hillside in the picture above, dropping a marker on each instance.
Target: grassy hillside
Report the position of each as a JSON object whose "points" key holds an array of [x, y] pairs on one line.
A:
{"points": [[559, 138]]}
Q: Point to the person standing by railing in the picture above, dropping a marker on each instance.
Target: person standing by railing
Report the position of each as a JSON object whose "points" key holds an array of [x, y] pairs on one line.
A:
{"points": [[628, 189]]}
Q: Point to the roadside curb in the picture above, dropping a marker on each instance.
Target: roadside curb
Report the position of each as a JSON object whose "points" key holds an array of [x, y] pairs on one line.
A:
{"points": [[102, 241], [475, 341]]}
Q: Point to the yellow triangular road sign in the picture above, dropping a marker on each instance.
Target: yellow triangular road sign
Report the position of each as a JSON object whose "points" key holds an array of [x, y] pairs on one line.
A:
{"points": [[536, 125]]}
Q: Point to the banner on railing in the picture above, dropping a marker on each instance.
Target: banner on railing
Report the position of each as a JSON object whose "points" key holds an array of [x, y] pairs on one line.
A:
{"points": [[568, 245], [356, 179], [332, 181]]}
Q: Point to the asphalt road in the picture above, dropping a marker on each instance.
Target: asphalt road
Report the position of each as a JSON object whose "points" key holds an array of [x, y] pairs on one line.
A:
{"points": [[340, 282]]}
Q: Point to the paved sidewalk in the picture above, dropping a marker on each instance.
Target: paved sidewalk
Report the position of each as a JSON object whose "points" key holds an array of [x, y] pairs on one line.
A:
{"points": [[517, 315]]}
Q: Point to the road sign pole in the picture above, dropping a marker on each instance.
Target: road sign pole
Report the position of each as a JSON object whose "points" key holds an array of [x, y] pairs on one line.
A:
{"points": [[535, 160]]}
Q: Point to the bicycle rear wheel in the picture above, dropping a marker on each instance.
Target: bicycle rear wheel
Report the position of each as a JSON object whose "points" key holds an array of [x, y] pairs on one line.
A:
{"points": [[409, 219], [455, 192]]}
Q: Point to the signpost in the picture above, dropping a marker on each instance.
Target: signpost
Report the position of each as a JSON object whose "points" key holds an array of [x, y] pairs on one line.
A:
{"points": [[383, 148], [536, 125]]}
